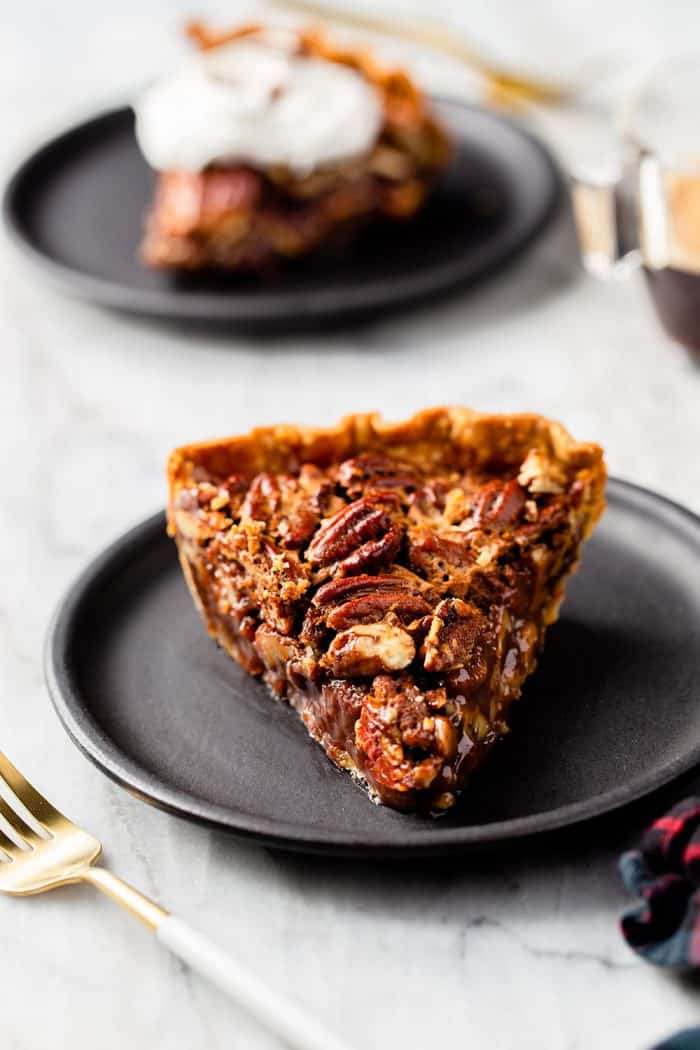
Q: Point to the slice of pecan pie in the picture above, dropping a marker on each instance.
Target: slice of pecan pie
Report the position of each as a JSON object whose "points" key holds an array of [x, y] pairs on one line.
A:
{"points": [[274, 143], [392, 582]]}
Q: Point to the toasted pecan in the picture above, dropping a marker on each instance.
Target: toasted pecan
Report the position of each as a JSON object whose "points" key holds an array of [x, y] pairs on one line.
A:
{"points": [[358, 539]]}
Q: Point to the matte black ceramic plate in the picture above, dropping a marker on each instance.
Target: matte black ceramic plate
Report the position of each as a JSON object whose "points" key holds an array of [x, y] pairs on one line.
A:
{"points": [[77, 206], [611, 714]]}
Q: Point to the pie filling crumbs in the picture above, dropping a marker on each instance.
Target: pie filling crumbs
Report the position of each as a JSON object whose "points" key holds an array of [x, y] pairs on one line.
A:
{"points": [[397, 601]]}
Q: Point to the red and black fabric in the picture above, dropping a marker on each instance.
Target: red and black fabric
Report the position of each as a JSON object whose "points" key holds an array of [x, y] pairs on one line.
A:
{"points": [[665, 873], [688, 1039]]}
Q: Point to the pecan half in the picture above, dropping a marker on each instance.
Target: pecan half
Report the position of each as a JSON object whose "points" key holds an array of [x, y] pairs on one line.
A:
{"points": [[455, 638], [498, 504], [262, 499], [366, 599], [373, 607], [337, 592], [429, 500], [371, 470], [298, 528], [360, 537], [404, 746], [368, 649], [290, 506], [234, 488]]}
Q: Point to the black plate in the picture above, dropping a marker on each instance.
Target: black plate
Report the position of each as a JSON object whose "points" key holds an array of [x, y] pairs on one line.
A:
{"points": [[611, 714], [76, 206]]}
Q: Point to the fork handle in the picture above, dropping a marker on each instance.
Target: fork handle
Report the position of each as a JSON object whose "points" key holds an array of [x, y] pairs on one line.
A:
{"points": [[289, 1022]]}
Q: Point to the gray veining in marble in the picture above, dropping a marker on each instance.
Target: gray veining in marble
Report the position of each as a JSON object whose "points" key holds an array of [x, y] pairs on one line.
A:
{"points": [[506, 952]]}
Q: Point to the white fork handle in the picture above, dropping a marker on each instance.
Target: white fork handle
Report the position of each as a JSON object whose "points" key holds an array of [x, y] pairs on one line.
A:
{"points": [[285, 1019]]}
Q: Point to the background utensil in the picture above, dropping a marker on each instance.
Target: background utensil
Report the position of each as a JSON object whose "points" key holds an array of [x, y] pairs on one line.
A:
{"points": [[40, 849], [504, 87]]}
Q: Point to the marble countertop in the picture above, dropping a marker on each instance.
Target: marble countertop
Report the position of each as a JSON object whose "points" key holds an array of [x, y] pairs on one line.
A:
{"points": [[510, 951]]}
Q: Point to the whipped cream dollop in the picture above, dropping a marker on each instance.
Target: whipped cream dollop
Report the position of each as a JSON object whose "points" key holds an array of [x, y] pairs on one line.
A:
{"points": [[254, 101]]}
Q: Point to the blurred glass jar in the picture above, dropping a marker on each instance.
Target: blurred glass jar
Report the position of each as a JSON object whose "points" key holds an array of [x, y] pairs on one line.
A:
{"points": [[650, 214]]}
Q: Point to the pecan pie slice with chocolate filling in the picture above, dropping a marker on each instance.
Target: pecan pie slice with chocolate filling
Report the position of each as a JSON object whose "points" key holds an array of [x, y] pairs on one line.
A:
{"points": [[392, 582]]}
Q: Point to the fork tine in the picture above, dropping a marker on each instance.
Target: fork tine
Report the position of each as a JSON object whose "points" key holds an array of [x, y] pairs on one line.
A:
{"points": [[38, 806], [7, 846], [18, 824]]}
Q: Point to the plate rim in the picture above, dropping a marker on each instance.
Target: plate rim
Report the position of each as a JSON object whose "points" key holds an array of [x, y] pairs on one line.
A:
{"points": [[85, 732], [263, 309]]}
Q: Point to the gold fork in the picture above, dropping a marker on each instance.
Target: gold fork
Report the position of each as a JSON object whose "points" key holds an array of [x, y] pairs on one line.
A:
{"points": [[40, 849], [505, 87]]}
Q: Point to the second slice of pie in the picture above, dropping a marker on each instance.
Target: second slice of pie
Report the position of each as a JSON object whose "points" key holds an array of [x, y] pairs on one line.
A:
{"points": [[393, 582]]}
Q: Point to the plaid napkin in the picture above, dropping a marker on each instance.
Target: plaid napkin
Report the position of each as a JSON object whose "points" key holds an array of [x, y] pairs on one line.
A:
{"points": [[665, 873], [688, 1039]]}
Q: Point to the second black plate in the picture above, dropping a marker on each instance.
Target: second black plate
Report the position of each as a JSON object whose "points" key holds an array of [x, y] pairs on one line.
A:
{"points": [[611, 714], [76, 206]]}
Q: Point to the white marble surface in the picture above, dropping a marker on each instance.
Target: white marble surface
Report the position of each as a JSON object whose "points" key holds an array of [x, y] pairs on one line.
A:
{"points": [[511, 952]]}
